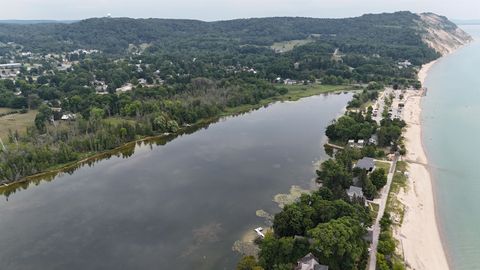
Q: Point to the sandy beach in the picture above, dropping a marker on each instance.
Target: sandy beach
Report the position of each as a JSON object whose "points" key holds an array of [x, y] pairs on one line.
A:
{"points": [[419, 236]]}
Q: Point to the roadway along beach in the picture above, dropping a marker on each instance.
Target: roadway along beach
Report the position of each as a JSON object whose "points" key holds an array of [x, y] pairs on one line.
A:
{"points": [[419, 236]]}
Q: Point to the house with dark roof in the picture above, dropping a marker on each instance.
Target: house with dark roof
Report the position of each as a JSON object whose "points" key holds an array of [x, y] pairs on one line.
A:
{"points": [[366, 163], [355, 192], [309, 262]]}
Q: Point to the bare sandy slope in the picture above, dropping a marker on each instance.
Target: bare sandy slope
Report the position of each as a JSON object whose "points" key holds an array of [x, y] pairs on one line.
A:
{"points": [[419, 236]]}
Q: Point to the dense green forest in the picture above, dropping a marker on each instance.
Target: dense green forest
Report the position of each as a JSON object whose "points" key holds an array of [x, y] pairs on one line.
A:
{"points": [[394, 35]]}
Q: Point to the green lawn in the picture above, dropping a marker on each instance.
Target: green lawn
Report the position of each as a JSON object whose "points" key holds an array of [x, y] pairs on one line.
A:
{"points": [[394, 206], [384, 165], [17, 121]]}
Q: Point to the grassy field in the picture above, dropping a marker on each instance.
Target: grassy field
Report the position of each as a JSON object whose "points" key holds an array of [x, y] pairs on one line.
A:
{"points": [[14, 122], [295, 92], [394, 206], [5, 110], [289, 45], [384, 165], [373, 209]]}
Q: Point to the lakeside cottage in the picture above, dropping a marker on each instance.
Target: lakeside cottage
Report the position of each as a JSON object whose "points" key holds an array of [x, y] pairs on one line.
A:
{"points": [[310, 262], [366, 163], [355, 192]]}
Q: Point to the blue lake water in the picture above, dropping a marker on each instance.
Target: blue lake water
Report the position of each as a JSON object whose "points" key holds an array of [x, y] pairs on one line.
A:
{"points": [[451, 136], [180, 205]]}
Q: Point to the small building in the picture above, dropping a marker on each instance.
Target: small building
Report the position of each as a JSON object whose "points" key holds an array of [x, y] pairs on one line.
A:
{"points": [[366, 163], [373, 140], [404, 64], [289, 82], [125, 88], [10, 66], [351, 143], [142, 81], [355, 192], [360, 143], [68, 116], [310, 262]]}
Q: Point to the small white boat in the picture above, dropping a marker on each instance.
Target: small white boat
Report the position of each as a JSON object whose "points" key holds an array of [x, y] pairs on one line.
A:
{"points": [[259, 232]]}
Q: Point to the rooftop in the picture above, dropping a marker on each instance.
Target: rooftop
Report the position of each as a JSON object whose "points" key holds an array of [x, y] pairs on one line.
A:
{"points": [[354, 191], [309, 262], [366, 163]]}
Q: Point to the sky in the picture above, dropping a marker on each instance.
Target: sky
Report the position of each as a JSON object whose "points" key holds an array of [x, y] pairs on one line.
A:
{"points": [[211, 10]]}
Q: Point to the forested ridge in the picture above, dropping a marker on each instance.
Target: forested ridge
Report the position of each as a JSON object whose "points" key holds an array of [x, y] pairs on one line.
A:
{"points": [[113, 35]]}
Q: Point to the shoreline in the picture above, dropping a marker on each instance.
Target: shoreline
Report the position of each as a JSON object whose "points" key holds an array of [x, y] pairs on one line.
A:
{"points": [[419, 234], [54, 171]]}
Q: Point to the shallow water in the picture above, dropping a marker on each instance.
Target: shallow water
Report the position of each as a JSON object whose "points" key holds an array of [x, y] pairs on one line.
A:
{"points": [[451, 133], [180, 205]]}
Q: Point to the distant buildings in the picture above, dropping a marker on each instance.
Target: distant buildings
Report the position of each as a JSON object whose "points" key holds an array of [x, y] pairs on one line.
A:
{"points": [[125, 88], [10, 70], [289, 82], [404, 64], [10, 66]]}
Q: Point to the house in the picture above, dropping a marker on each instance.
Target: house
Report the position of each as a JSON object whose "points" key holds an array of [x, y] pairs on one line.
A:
{"points": [[351, 143], [10, 66], [289, 82], [251, 70], [373, 140], [360, 143], [68, 116], [142, 81], [404, 64], [125, 88], [366, 163], [355, 192], [309, 262]]}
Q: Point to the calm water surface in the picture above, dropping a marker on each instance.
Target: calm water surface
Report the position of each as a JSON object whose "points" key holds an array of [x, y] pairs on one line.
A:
{"points": [[176, 206], [451, 114]]}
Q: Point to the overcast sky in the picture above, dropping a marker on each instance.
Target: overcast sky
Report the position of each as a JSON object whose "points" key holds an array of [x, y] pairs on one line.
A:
{"points": [[227, 9]]}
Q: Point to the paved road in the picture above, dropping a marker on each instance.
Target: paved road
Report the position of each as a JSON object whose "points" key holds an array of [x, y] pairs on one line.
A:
{"points": [[380, 105], [372, 262]]}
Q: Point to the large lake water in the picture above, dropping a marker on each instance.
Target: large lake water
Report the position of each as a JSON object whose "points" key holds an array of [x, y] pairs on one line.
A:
{"points": [[451, 135], [181, 205]]}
